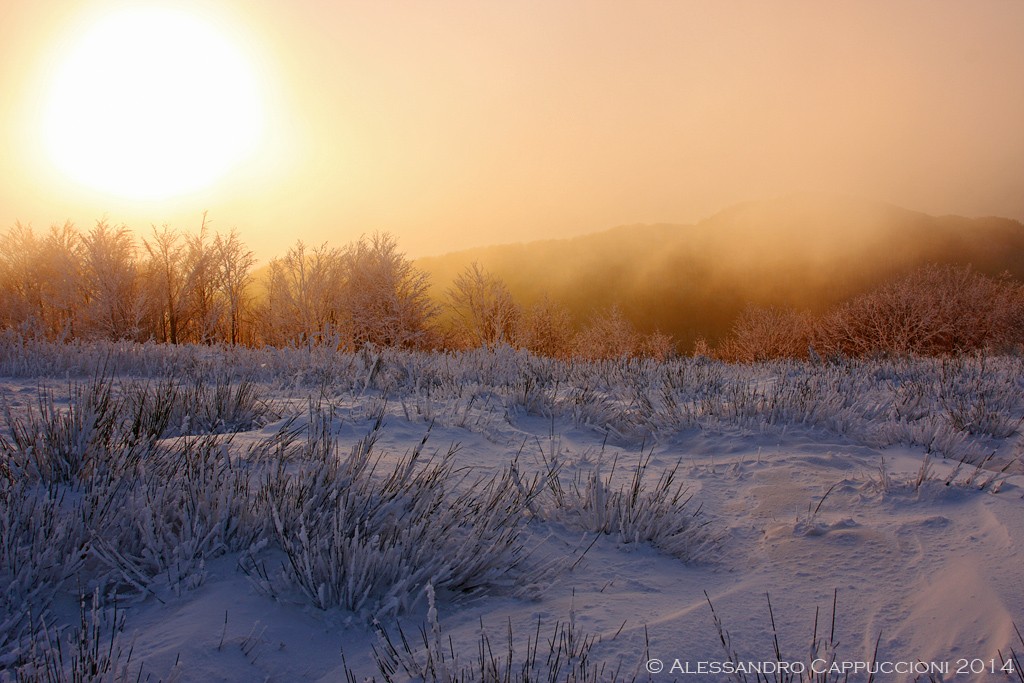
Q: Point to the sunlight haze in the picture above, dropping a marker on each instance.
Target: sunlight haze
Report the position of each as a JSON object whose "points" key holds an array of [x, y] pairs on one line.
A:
{"points": [[151, 103], [460, 124]]}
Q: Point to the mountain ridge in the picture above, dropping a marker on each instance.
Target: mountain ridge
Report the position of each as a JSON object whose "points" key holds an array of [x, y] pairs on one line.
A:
{"points": [[691, 280]]}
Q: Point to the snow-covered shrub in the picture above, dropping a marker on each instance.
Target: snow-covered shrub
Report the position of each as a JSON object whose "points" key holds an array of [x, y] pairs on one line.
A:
{"points": [[197, 405], [979, 476], [589, 407], [933, 433]]}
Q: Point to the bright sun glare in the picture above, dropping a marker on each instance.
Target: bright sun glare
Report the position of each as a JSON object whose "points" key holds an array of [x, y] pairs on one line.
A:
{"points": [[151, 103]]}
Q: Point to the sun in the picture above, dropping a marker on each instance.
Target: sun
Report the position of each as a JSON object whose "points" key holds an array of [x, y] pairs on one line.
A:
{"points": [[151, 103]]}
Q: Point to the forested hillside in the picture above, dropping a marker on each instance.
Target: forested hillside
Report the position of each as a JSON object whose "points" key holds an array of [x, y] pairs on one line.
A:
{"points": [[692, 281]]}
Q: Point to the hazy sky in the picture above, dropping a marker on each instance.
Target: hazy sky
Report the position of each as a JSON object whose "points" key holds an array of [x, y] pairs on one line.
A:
{"points": [[455, 124]]}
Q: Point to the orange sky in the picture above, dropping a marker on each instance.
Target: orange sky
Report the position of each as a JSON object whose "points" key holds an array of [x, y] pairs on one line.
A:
{"points": [[454, 124]]}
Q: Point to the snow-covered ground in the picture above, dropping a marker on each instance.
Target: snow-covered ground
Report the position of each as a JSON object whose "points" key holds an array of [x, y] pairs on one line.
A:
{"points": [[289, 515]]}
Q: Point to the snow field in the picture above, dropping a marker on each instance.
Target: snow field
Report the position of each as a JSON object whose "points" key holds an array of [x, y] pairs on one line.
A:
{"points": [[230, 514]]}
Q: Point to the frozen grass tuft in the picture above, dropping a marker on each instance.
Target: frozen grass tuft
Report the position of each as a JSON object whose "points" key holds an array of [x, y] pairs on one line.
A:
{"points": [[983, 475], [95, 487], [1016, 657], [191, 502], [41, 548], [61, 445], [662, 514], [954, 406], [559, 653], [92, 650], [760, 667], [977, 401], [172, 407], [369, 538]]}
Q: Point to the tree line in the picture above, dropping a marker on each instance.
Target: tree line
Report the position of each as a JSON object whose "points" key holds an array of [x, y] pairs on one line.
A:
{"points": [[201, 287], [932, 310], [102, 283]]}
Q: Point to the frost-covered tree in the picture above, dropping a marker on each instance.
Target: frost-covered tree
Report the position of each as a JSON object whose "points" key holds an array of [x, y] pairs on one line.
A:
{"points": [[608, 334], [760, 334], [197, 285], [932, 310], [60, 265], [234, 274], [204, 309], [21, 305], [166, 282], [41, 281], [658, 345], [304, 291], [546, 329], [484, 312], [114, 305], [387, 298], [178, 288], [367, 292]]}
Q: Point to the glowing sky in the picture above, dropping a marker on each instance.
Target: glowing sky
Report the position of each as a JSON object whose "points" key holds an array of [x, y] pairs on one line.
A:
{"points": [[453, 124]]}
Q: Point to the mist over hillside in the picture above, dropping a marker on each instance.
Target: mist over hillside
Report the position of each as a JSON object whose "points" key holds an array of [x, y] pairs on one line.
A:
{"points": [[691, 281]]}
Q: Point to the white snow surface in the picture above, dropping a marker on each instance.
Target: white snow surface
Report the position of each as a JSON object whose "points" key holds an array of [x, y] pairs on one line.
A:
{"points": [[859, 481]]}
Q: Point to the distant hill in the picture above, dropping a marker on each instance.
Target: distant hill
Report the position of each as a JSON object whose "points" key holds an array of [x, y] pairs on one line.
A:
{"points": [[691, 281]]}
